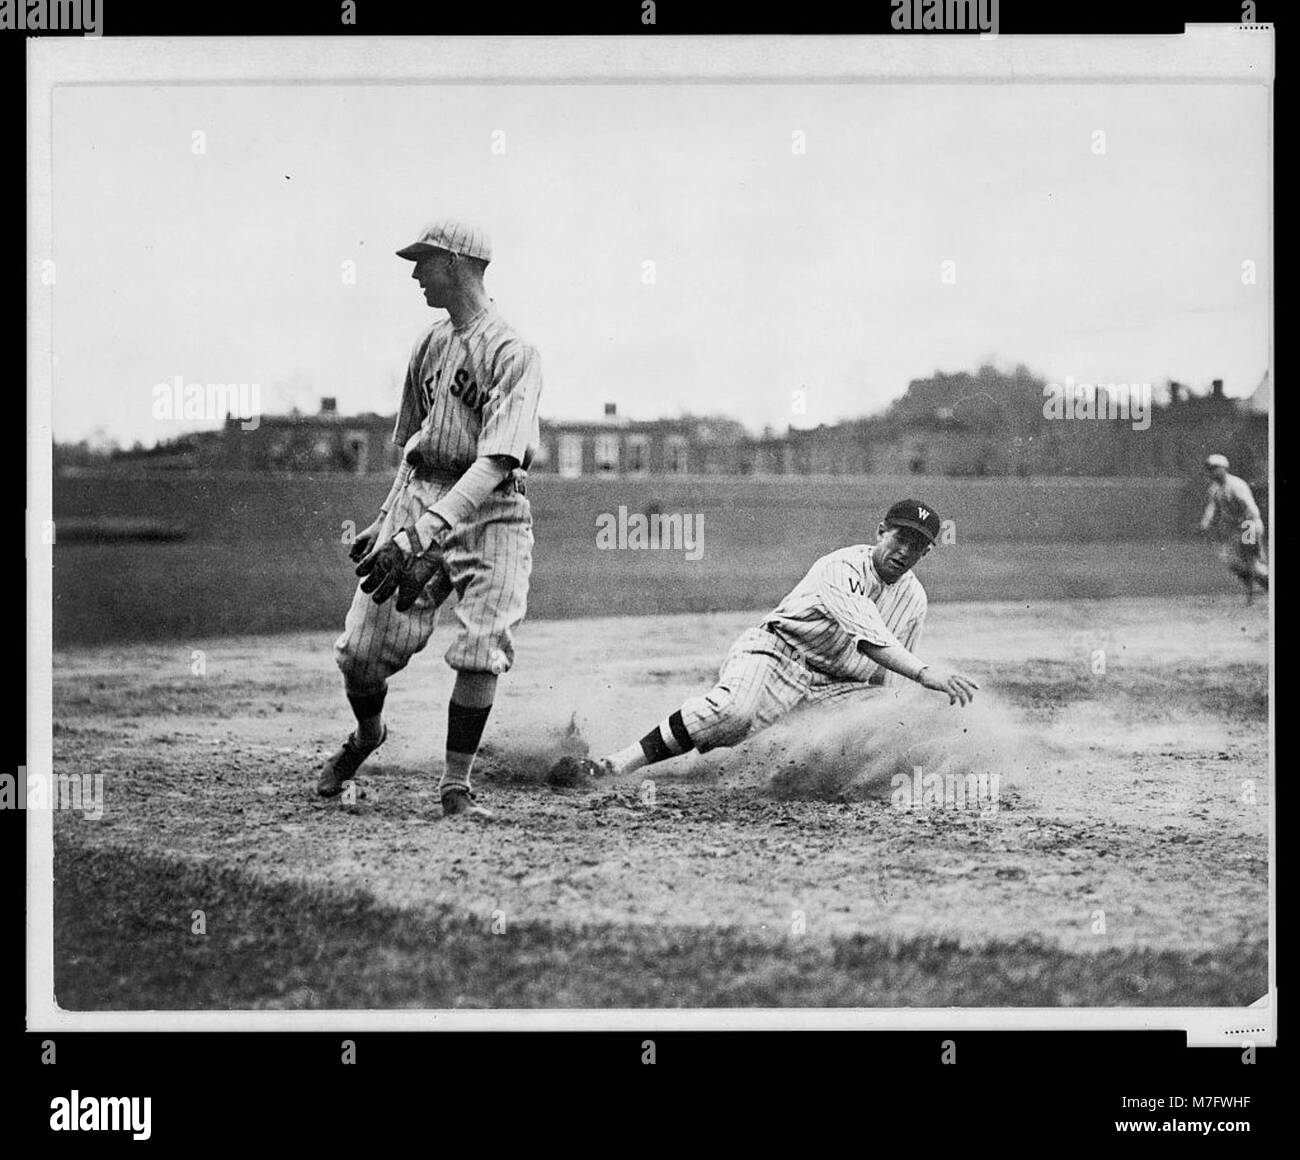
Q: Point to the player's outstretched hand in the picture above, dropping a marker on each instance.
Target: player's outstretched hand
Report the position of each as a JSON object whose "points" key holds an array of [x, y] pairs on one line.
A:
{"points": [[364, 542], [959, 687]]}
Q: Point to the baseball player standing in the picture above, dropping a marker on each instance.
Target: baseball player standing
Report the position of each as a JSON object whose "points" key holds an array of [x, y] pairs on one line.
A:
{"points": [[456, 518], [1230, 496], [851, 623]]}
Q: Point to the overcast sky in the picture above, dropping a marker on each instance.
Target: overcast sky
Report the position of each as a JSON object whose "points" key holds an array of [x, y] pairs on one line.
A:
{"points": [[774, 270]]}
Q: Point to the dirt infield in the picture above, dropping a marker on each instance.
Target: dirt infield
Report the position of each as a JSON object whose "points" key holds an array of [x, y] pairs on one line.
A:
{"points": [[1125, 863]]}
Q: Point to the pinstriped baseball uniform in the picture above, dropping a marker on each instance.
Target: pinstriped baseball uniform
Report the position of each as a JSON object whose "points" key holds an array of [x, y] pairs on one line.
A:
{"points": [[468, 393], [807, 648]]}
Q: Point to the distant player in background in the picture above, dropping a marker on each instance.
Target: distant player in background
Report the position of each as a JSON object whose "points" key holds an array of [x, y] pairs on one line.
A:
{"points": [[456, 518], [850, 624], [1230, 500]]}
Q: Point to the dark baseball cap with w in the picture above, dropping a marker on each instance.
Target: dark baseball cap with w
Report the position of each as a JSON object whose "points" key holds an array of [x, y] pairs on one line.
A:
{"points": [[911, 513]]}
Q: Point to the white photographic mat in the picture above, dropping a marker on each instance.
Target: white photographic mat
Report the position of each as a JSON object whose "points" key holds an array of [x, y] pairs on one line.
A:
{"points": [[743, 241]]}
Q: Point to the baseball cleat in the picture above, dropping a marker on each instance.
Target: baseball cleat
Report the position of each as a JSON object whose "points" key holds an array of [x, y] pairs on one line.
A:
{"points": [[578, 771], [460, 802], [343, 765]]}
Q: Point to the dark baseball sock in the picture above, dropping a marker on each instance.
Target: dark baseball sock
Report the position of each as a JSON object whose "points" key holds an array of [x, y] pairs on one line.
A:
{"points": [[465, 725], [667, 739], [369, 711]]}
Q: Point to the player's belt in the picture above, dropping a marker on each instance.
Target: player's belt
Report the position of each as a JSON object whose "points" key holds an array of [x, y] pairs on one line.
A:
{"points": [[516, 483], [794, 653]]}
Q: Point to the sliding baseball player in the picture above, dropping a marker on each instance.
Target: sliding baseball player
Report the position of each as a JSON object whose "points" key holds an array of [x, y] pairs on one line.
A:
{"points": [[852, 622]]}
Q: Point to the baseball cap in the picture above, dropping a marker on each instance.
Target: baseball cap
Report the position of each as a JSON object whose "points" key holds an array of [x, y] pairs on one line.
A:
{"points": [[459, 237], [1217, 461], [911, 513]]}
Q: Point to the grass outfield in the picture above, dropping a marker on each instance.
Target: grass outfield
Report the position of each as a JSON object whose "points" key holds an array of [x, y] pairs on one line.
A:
{"points": [[267, 554], [185, 591], [302, 947]]}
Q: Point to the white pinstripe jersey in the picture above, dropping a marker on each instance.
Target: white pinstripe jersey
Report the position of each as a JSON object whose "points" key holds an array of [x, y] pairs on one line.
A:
{"points": [[842, 601], [470, 393]]}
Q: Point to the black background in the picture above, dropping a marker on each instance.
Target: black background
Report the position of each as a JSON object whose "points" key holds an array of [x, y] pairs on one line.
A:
{"points": [[591, 1090]]}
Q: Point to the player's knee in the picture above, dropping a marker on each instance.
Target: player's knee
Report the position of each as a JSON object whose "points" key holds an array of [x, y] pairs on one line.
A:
{"points": [[493, 659], [734, 714], [352, 664], [343, 654]]}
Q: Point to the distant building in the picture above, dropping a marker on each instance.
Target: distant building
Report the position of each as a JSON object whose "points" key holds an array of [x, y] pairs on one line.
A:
{"points": [[326, 441], [616, 446], [842, 449], [949, 425]]}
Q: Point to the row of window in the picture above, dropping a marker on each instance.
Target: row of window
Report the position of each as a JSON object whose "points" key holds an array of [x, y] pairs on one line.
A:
{"points": [[637, 458]]}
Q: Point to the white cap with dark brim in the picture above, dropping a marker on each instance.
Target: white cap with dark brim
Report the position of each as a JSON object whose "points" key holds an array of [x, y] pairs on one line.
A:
{"points": [[458, 237]]}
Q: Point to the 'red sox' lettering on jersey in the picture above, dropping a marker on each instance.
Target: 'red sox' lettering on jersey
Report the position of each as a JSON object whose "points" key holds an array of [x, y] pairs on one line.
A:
{"points": [[469, 393]]}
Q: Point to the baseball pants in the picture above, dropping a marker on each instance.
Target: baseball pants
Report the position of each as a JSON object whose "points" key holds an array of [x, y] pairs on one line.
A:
{"points": [[1244, 555], [763, 678], [489, 562]]}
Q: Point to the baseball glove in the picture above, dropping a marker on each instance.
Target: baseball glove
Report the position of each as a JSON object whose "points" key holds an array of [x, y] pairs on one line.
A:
{"points": [[389, 570], [424, 573]]}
